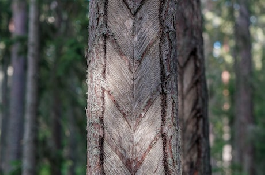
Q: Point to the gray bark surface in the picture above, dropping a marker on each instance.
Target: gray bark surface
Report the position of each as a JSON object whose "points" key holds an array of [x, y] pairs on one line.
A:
{"points": [[30, 134], [244, 121], [193, 99], [15, 128], [132, 119]]}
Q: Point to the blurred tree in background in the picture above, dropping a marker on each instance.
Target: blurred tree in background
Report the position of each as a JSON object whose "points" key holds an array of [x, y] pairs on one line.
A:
{"points": [[61, 99], [192, 90], [229, 52]]}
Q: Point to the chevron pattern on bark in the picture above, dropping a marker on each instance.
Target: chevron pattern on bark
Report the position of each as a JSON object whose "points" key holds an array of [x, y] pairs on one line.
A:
{"points": [[132, 88]]}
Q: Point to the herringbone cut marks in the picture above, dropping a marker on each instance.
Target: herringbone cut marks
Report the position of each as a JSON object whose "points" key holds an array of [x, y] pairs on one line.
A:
{"points": [[133, 123]]}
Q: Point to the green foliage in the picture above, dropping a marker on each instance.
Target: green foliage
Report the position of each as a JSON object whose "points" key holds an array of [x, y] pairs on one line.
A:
{"points": [[63, 48], [16, 168]]}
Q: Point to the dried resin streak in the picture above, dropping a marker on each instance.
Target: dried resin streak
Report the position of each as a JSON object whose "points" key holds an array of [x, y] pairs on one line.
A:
{"points": [[132, 88]]}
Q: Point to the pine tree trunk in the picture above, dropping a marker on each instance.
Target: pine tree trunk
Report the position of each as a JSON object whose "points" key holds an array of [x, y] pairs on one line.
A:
{"points": [[56, 113], [15, 129], [4, 122], [72, 141], [132, 118], [193, 98], [72, 125], [56, 134], [30, 134], [244, 122]]}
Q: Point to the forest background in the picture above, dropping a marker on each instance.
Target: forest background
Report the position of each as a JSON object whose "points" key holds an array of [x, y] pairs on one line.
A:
{"points": [[61, 101]]}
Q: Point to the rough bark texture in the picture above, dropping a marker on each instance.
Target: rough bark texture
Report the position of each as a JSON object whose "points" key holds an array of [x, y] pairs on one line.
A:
{"points": [[192, 90], [244, 148], [132, 119], [15, 129], [30, 134]]}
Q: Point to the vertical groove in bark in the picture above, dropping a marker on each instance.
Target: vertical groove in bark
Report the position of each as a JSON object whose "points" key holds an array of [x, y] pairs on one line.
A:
{"points": [[30, 134], [163, 93], [244, 149], [15, 129], [131, 111], [192, 90]]}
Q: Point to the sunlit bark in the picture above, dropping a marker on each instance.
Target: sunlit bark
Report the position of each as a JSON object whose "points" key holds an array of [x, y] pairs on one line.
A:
{"points": [[132, 118]]}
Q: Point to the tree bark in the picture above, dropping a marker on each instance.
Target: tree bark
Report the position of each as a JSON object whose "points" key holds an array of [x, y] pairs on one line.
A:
{"points": [[244, 121], [132, 119], [193, 99], [30, 134], [15, 129]]}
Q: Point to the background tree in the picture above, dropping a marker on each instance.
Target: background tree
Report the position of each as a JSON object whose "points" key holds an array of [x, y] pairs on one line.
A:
{"points": [[15, 130], [244, 148], [31, 126], [132, 88], [5, 15], [193, 99]]}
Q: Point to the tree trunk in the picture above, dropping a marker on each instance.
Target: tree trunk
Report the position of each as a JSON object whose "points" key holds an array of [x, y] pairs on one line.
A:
{"points": [[56, 115], [15, 129], [132, 119], [72, 141], [4, 122], [244, 122], [72, 155], [193, 99], [56, 134], [4, 30], [30, 134]]}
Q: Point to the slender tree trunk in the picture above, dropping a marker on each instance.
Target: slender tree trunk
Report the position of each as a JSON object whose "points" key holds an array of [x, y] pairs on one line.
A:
{"points": [[15, 129], [4, 122], [244, 148], [193, 99], [72, 139], [72, 143], [30, 134], [56, 167], [132, 118], [4, 88]]}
